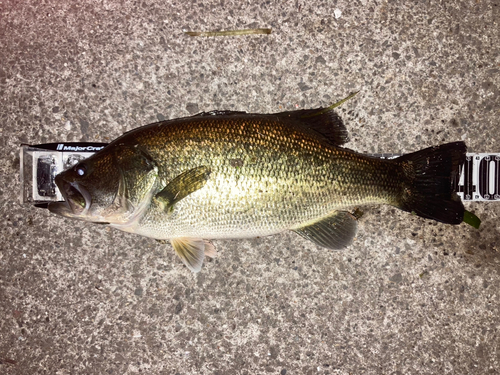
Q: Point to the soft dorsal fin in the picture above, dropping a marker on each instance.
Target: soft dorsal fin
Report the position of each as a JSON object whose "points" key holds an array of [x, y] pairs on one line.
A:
{"points": [[323, 121], [333, 232], [327, 124]]}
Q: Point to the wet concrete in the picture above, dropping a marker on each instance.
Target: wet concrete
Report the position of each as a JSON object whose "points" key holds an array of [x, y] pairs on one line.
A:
{"points": [[410, 296]]}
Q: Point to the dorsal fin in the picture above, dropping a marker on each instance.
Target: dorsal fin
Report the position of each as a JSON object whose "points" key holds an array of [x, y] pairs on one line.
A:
{"points": [[323, 121], [219, 113], [327, 124]]}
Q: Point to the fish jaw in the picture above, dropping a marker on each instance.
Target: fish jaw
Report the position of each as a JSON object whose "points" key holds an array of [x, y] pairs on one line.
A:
{"points": [[62, 209], [77, 200], [77, 197]]}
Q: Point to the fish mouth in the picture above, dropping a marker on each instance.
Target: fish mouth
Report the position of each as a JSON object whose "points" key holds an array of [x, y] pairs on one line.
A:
{"points": [[77, 199]]}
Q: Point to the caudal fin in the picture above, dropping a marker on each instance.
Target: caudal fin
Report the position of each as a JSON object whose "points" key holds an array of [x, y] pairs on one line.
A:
{"points": [[428, 190]]}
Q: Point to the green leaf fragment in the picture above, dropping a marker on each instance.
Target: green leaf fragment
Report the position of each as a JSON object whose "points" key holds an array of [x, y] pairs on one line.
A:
{"points": [[334, 105], [424, 274], [471, 219]]}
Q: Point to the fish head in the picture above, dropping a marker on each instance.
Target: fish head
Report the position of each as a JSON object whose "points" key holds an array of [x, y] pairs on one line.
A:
{"points": [[113, 186]]}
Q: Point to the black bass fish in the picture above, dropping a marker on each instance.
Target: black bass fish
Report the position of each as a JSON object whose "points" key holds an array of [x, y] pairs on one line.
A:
{"points": [[225, 174]]}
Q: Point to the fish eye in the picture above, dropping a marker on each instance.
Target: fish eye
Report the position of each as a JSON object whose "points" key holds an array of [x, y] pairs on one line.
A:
{"points": [[80, 169]]}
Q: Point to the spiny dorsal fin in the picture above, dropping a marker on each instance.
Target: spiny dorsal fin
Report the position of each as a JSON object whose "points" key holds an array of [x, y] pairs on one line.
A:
{"points": [[219, 113], [333, 232]]}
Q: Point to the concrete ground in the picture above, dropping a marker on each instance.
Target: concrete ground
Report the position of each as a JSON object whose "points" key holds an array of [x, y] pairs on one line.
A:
{"points": [[410, 296]]}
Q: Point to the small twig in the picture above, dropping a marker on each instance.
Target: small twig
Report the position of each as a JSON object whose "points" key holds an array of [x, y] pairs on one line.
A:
{"points": [[228, 32], [8, 361]]}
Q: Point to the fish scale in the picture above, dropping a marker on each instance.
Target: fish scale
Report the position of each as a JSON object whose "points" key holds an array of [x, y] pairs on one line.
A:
{"points": [[287, 177]]}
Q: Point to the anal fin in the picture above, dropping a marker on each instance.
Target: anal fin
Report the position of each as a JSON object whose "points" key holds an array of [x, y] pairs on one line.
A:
{"points": [[333, 232]]}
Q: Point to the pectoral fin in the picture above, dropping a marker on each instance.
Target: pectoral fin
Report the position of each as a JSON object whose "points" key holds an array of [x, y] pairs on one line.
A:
{"points": [[183, 185], [333, 232]]}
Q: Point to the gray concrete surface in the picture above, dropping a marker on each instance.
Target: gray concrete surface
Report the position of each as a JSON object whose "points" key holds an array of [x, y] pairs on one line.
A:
{"points": [[410, 296]]}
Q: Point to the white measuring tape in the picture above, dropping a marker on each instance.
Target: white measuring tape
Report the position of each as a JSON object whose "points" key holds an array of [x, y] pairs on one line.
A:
{"points": [[479, 179]]}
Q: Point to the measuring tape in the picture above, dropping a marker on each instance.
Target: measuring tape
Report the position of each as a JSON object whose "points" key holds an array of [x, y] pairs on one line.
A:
{"points": [[479, 177], [478, 181]]}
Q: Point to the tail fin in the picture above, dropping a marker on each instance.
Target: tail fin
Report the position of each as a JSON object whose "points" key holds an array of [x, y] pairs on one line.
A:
{"points": [[428, 190]]}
